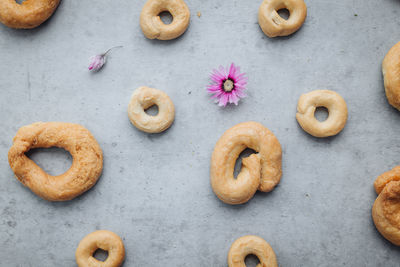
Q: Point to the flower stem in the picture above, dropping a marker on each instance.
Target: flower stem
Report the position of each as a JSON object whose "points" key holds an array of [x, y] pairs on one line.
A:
{"points": [[118, 46]]}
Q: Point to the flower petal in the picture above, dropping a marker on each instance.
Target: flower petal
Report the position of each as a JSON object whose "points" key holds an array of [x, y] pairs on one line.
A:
{"points": [[235, 99], [223, 100], [223, 71], [217, 76], [232, 71], [213, 88]]}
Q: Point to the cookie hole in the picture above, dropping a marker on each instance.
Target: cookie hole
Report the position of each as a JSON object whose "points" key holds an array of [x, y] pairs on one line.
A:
{"points": [[284, 13], [100, 254], [251, 260], [166, 17], [321, 114], [152, 111], [238, 165], [53, 160]]}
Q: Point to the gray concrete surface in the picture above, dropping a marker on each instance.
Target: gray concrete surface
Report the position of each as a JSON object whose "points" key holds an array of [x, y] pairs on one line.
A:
{"points": [[155, 191]]}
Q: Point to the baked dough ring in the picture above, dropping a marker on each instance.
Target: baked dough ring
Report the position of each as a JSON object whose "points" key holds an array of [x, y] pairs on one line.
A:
{"points": [[391, 75], [78, 141], [337, 109], [152, 25], [386, 209], [145, 97], [260, 171], [29, 14], [251, 245], [102, 239], [272, 24]]}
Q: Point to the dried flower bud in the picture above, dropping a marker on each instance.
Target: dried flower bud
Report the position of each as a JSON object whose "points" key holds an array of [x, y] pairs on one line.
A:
{"points": [[98, 61]]}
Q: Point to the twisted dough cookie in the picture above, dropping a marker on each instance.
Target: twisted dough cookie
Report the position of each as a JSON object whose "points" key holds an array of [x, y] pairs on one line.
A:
{"points": [[142, 99], [29, 14], [251, 245], [152, 25], [260, 171], [337, 109], [391, 75], [272, 24], [102, 239], [386, 209], [78, 141]]}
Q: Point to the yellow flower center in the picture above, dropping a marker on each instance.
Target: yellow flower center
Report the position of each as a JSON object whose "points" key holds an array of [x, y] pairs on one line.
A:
{"points": [[228, 85]]}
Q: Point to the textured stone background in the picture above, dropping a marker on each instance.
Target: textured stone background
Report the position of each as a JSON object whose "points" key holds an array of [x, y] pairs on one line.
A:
{"points": [[155, 191]]}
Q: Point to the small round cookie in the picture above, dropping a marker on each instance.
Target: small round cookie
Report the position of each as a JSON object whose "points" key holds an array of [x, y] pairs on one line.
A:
{"points": [[145, 97], [152, 25], [261, 171], [272, 24], [29, 14], [251, 245], [86, 167], [386, 208], [332, 101], [102, 239], [391, 75]]}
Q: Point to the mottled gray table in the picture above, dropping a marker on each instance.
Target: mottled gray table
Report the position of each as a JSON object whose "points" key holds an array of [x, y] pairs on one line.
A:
{"points": [[155, 191]]}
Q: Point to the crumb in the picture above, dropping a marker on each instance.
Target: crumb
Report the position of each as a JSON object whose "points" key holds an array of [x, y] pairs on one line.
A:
{"points": [[307, 195], [190, 92], [198, 14]]}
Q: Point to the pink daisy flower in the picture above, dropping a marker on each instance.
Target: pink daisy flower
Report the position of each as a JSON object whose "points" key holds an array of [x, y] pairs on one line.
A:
{"points": [[228, 85]]}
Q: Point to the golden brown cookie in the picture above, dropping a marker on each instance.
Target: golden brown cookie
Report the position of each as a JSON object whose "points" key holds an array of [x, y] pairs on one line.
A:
{"points": [[152, 25], [386, 209], [142, 99], [261, 171], [391, 75], [332, 101], [105, 240], [254, 245], [29, 14], [86, 167], [272, 24]]}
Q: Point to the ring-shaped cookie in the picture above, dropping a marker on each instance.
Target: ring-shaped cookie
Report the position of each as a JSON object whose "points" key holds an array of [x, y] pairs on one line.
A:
{"points": [[102, 239], [152, 25], [145, 97], [272, 24], [251, 245], [260, 171], [29, 14], [391, 75], [332, 101], [86, 167], [386, 208]]}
